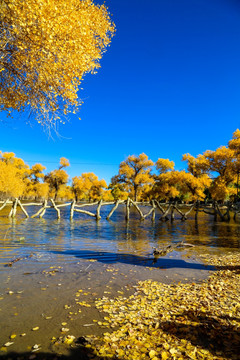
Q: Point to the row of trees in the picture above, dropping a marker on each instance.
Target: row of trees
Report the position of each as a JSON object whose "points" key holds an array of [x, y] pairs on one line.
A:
{"points": [[213, 174]]}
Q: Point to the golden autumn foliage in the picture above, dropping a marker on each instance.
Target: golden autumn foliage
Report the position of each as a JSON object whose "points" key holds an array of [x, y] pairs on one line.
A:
{"points": [[41, 190], [65, 192], [13, 175], [36, 172], [234, 144], [164, 187], [117, 190], [223, 162], [107, 195], [88, 187], [191, 187], [134, 174], [57, 178], [213, 175], [197, 166], [46, 48], [11, 183], [164, 165], [180, 184]]}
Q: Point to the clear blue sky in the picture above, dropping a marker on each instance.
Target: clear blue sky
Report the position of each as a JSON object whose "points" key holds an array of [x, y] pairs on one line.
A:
{"points": [[169, 84]]}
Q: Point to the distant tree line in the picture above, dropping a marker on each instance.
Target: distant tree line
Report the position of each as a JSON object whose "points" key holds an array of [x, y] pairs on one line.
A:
{"points": [[213, 175]]}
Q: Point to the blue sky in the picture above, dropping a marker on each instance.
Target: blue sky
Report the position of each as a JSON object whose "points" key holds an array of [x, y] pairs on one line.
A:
{"points": [[169, 84]]}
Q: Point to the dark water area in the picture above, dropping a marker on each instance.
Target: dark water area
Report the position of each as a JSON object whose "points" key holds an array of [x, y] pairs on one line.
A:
{"points": [[52, 259]]}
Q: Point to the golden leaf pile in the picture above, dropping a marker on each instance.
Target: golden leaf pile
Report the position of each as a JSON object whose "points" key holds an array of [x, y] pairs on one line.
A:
{"points": [[177, 321]]}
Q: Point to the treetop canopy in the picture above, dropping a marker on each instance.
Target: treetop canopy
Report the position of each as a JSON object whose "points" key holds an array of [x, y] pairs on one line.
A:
{"points": [[46, 48]]}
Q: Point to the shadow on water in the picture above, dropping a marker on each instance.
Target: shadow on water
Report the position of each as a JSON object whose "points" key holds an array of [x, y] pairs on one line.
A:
{"points": [[131, 259]]}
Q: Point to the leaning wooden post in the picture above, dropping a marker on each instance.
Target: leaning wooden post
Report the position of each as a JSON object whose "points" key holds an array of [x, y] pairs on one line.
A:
{"points": [[159, 206], [98, 216], [219, 212], [72, 209], [184, 217], [215, 211], [172, 213], [153, 213], [11, 211], [43, 209], [127, 209], [22, 208], [138, 209], [113, 209], [14, 209], [149, 213], [4, 204], [55, 207], [39, 211], [179, 211], [164, 216]]}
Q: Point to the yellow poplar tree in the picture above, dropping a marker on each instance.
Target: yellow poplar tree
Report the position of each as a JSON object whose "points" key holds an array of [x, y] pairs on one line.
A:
{"points": [[46, 48], [117, 190], [234, 144], [65, 192], [107, 195], [57, 178], [34, 185], [222, 161], [165, 186], [196, 180], [135, 175], [13, 175], [88, 186], [197, 166], [189, 186], [11, 184]]}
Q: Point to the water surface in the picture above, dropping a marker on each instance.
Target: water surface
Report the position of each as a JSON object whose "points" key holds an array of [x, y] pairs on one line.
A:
{"points": [[107, 240]]}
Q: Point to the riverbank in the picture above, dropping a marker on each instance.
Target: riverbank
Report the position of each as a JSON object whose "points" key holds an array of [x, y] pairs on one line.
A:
{"points": [[176, 321], [52, 311]]}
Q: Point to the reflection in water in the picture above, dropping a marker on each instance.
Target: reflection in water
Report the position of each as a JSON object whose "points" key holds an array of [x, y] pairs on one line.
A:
{"points": [[21, 237]]}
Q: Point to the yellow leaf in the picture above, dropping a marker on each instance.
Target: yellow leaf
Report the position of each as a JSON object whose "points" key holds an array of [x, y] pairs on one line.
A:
{"points": [[164, 355]]}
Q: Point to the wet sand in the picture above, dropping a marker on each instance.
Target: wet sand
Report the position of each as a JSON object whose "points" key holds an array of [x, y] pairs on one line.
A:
{"points": [[52, 297]]}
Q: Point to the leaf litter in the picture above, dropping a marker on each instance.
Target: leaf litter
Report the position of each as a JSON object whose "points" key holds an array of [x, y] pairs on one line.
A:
{"points": [[176, 321]]}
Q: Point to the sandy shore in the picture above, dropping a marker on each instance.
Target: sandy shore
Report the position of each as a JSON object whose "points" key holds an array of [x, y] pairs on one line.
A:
{"points": [[46, 298]]}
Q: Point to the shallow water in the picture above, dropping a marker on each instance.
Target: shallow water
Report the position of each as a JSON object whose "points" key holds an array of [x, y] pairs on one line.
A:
{"points": [[107, 241], [58, 257]]}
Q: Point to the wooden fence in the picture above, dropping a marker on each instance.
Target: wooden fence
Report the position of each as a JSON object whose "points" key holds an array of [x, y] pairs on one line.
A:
{"points": [[166, 210]]}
